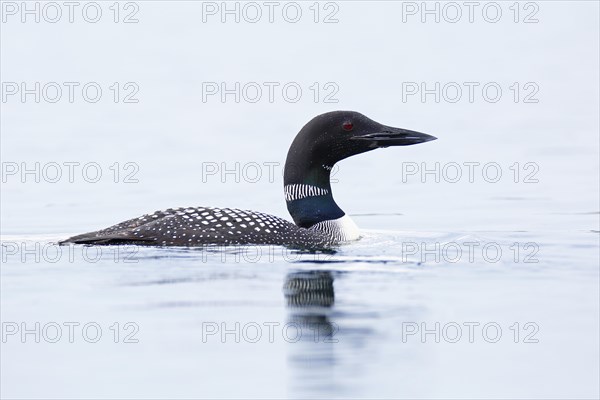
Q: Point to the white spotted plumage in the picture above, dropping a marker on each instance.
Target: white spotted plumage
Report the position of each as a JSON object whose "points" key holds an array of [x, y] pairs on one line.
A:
{"points": [[195, 226]]}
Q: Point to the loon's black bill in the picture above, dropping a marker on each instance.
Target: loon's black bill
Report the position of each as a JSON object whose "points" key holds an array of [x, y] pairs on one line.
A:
{"points": [[395, 137]]}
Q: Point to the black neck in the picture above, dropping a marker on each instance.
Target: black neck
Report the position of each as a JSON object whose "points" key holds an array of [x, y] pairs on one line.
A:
{"points": [[303, 168]]}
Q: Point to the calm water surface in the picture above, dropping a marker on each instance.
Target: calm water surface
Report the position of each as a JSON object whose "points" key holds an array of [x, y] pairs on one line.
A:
{"points": [[273, 322]]}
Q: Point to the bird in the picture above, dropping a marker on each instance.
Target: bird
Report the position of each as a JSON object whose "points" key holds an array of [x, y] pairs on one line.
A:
{"points": [[318, 221]]}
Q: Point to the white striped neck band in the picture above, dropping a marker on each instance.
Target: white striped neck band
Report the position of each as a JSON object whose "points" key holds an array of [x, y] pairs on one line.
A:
{"points": [[300, 191]]}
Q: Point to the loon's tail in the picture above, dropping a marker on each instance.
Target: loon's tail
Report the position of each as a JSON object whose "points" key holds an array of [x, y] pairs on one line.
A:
{"points": [[100, 238], [122, 233]]}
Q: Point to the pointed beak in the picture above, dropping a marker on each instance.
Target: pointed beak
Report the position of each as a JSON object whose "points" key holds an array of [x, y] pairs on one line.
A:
{"points": [[389, 136]]}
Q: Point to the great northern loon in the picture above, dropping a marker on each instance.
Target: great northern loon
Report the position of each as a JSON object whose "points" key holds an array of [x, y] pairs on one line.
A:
{"points": [[322, 142]]}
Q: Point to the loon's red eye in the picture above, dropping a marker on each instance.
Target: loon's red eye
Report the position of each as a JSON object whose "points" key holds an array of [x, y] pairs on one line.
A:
{"points": [[347, 126]]}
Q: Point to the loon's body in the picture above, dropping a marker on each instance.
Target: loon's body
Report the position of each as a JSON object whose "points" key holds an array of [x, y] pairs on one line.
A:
{"points": [[319, 222], [195, 226]]}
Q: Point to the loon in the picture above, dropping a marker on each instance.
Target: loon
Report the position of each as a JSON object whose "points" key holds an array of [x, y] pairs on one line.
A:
{"points": [[319, 221]]}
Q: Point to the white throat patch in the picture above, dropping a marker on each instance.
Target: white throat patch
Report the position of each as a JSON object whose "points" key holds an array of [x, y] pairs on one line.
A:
{"points": [[342, 229]]}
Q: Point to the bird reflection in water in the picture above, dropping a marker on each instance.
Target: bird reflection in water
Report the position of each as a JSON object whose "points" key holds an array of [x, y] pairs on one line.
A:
{"points": [[310, 299]]}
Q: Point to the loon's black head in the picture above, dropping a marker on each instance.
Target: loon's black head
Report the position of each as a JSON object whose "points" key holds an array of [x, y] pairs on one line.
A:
{"points": [[334, 136], [322, 142]]}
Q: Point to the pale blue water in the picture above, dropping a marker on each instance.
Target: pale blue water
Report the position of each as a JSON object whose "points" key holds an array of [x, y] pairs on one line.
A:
{"points": [[527, 307]]}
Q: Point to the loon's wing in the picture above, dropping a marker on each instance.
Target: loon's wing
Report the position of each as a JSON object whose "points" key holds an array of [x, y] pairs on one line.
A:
{"points": [[197, 226]]}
